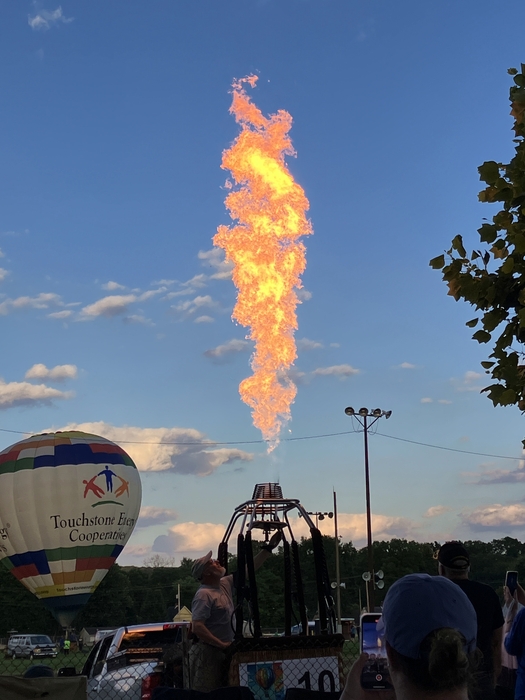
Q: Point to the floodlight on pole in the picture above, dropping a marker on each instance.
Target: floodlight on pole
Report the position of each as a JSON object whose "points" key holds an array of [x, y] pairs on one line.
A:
{"points": [[320, 515], [361, 418]]}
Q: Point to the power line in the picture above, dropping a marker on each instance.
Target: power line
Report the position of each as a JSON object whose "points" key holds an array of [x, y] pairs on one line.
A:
{"points": [[211, 443], [448, 449], [203, 443]]}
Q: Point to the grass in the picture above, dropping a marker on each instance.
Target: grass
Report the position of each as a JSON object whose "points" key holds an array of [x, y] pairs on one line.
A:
{"points": [[17, 667], [350, 653]]}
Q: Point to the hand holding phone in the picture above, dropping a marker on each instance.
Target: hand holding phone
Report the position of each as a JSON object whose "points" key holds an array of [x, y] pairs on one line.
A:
{"points": [[374, 674], [511, 581], [353, 689]]}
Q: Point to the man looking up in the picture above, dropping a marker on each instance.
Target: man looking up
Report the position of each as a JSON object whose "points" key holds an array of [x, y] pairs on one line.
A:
{"points": [[213, 618], [454, 564]]}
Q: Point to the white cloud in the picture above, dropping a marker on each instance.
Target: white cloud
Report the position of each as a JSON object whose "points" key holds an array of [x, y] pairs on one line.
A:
{"points": [[341, 371], [192, 305], [3, 274], [426, 399], [303, 294], [25, 394], [14, 233], [190, 539], [307, 344], [163, 283], [495, 517], [137, 318], [469, 382], [444, 401], [196, 282], [2, 254], [180, 293], [407, 365], [60, 314], [296, 376], [110, 306], [145, 296], [41, 301], [434, 511], [112, 286], [135, 550], [352, 527], [299, 377], [151, 515], [45, 19], [204, 319], [57, 374], [215, 258], [152, 449], [225, 351], [497, 476]]}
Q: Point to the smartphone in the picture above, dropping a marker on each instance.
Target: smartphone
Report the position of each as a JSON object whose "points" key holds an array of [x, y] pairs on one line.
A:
{"points": [[511, 581], [375, 675]]}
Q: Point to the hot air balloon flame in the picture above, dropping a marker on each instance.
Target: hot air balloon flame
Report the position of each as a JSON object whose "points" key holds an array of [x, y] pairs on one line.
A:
{"points": [[269, 209]]}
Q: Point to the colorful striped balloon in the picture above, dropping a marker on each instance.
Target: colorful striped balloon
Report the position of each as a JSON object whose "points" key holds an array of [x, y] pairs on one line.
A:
{"points": [[68, 504]]}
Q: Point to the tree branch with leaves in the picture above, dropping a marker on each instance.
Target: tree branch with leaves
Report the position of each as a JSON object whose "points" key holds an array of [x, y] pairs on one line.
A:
{"points": [[492, 278]]}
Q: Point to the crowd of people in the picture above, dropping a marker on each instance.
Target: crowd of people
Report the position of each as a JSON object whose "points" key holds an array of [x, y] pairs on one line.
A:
{"points": [[447, 636]]}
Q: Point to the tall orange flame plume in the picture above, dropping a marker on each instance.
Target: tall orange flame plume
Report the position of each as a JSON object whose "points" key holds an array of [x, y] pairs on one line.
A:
{"points": [[268, 209]]}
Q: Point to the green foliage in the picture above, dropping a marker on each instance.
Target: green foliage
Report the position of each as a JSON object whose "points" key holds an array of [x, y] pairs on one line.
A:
{"points": [[153, 608], [493, 279], [20, 610], [110, 604]]}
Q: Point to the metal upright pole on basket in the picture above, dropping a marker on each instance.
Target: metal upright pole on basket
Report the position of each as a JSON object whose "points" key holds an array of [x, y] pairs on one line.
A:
{"points": [[361, 418], [337, 570]]}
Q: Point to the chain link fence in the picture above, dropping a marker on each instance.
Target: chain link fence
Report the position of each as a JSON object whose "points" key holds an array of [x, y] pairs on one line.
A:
{"points": [[132, 662]]}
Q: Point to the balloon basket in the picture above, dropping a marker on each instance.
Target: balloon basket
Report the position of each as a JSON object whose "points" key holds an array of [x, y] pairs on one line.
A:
{"points": [[265, 514], [268, 666]]}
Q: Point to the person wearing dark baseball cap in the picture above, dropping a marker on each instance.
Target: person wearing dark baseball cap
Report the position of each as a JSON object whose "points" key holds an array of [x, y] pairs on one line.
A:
{"points": [[213, 618], [430, 630], [454, 564]]}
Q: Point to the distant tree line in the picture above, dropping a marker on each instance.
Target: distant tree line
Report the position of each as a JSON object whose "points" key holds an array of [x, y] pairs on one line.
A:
{"points": [[131, 595]]}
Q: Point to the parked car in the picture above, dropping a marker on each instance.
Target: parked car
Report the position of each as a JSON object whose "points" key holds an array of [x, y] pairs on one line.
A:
{"points": [[298, 629], [131, 661], [30, 646]]}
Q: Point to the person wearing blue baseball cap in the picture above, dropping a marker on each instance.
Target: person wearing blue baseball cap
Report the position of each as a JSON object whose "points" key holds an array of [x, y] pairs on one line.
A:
{"points": [[430, 630]]}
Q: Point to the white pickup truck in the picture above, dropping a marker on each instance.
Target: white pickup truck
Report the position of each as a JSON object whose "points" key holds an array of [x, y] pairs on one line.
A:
{"points": [[131, 661]]}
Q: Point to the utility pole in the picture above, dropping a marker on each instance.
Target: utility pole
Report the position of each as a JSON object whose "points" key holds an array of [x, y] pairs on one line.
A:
{"points": [[337, 570], [361, 417]]}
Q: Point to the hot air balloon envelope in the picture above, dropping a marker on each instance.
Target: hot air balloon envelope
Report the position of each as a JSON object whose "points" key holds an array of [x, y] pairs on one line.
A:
{"points": [[68, 504]]}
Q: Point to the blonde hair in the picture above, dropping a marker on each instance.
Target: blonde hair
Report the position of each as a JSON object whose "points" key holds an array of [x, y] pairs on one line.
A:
{"points": [[444, 663]]}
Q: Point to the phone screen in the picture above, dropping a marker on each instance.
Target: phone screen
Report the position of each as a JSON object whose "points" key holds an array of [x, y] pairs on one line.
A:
{"points": [[511, 581], [375, 674]]}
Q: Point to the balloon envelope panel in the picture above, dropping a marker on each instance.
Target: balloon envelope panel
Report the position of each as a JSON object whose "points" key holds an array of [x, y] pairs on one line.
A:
{"points": [[68, 504]]}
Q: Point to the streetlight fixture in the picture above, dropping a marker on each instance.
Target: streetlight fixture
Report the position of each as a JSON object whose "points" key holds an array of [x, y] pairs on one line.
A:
{"points": [[363, 417], [319, 515]]}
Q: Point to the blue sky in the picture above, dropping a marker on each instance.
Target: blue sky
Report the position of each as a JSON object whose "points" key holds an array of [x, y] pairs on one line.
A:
{"points": [[116, 309]]}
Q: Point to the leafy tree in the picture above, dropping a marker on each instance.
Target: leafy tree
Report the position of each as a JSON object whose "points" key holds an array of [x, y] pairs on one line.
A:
{"points": [[111, 604], [21, 610], [492, 278], [138, 578], [157, 560], [153, 608]]}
